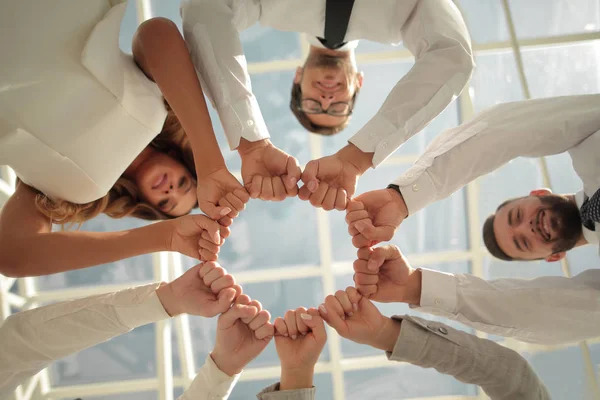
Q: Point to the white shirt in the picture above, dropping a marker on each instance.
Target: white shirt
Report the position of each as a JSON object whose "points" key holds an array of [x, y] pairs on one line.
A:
{"points": [[433, 30], [31, 340], [75, 110], [544, 310]]}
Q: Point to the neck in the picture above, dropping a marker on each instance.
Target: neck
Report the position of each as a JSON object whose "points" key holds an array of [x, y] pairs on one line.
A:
{"points": [[581, 241], [139, 160]]}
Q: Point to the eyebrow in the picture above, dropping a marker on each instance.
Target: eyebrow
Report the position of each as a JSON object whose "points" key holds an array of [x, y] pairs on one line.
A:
{"points": [[510, 217]]}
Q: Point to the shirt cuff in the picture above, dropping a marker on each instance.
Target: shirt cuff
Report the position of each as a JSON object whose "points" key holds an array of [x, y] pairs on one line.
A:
{"points": [[243, 119], [438, 290], [210, 383], [417, 188], [273, 393], [411, 342], [139, 306], [378, 136]]}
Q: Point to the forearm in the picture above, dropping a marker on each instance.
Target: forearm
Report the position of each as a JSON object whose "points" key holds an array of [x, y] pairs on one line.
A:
{"points": [[296, 379], [166, 58], [48, 253]]}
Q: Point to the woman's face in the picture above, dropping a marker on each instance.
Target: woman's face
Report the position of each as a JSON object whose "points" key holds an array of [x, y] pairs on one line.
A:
{"points": [[166, 184]]}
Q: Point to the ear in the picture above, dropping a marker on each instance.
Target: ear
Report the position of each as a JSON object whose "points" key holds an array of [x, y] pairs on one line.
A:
{"points": [[540, 192], [298, 76], [359, 79], [556, 256]]}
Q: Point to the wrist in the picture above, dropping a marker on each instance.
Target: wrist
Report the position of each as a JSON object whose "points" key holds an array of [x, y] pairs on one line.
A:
{"points": [[169, 300], [355, 156], [413, 287], [296, 378], [221, 361], [398, 199], [247, 146], [387, 336]]}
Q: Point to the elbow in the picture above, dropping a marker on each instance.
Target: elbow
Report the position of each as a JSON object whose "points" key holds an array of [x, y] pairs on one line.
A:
{"points": [[10, 267], [465, 64]]}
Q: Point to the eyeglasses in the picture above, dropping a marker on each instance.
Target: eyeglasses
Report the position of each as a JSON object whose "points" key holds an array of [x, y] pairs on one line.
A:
{"points": [[339, 109]]}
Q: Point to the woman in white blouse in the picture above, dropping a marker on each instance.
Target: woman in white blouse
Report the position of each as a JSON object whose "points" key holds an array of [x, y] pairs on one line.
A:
{"points": [[88, 132]]}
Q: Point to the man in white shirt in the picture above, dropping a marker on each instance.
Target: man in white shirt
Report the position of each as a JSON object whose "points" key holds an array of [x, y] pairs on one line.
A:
{"points": [[325, 87]]}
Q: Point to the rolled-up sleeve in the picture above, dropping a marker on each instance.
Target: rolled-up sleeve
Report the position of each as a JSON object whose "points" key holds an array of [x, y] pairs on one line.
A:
{"points": [[437, 36]]}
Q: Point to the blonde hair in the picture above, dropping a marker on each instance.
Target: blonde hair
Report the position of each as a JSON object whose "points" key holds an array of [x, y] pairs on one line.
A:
{"points": [[123, 199]]}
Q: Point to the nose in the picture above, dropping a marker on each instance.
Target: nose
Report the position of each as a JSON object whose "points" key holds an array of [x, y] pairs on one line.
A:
{"points": [[525, 228], [326, 100], [169, 189]]}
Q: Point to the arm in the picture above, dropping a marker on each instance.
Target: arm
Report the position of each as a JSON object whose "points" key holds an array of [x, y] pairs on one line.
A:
{"points": [[531, 128], [501, 372], [31, 340], [437, 36], [545, 310], [210, 29]]}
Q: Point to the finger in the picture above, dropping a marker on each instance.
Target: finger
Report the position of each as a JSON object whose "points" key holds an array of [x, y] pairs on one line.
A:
{"points": [[302, 328], [371, 232], [367, 290], [206, 268], [244, 300], [353, 216], [359, 241], [225, 222], [267, 189], [237, 204], [332, 318], [225, 231], [352, 231], [344, 301], [290, 321], [213, 211], [329, 201], [224, 201], [341, 200], [213, 275], [290, 192], [242, 194], [255, 186], [281, 327], [259, 320], [225, 298], [355, 205], [253, 303], [206, 236], [333, 306], [364, 253], [294, 173], [316, 325], [381, 255], [238, 311], [354, 296], [265, 332], [210, 246], [309, 176], [222, 283], [212, 227], [279, 192], [316, 199], [304, 193], [238, 291], [366, 279], [206, 255]]}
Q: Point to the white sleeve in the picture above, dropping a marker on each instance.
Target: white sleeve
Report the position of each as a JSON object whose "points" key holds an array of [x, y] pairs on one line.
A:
{"points": [[210, 383], [531, 128], [210, 28], [437, 36], [31, 340], [545, 310]]}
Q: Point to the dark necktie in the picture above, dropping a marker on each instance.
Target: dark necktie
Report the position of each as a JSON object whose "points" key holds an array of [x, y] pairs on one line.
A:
{"points": [[337, 16], [590, 211]]}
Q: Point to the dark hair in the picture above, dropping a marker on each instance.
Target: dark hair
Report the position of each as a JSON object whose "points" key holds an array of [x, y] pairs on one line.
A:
{"points": [[295, 100], [489, 239]]}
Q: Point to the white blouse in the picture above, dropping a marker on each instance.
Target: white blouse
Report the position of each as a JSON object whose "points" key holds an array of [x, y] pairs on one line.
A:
{"points": [[75, 110]]}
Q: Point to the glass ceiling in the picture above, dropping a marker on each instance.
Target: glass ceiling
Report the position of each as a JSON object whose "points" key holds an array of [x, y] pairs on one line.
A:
{"points": [[559, 44]]}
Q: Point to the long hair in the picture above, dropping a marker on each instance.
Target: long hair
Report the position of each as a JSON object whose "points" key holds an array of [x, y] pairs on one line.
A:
{"points": [[123, 199]]}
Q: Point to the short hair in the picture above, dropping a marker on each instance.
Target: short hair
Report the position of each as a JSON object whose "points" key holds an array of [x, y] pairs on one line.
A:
{"points": [[295, 100], [489, 239]]}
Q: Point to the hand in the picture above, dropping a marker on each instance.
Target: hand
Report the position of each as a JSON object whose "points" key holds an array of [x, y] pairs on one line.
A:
{"points": [[384, 275], [299, 341], [220, 194], [330, 181], [373, 217], [205, 290], [243, 332], [355, 318], [196, 236], [268, 173]]}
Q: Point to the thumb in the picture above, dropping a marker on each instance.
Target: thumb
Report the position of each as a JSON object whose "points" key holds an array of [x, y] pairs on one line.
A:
{"points": [[309, 176], [355, 205], [372, 232], [213, 211], [293, 172], [382, 254], [226, 297], [238, 311], [212, 227], [313, 320]]}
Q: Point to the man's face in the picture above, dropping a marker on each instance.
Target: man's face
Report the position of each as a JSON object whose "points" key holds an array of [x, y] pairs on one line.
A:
{"points": [[540, 226], [329, 81]]}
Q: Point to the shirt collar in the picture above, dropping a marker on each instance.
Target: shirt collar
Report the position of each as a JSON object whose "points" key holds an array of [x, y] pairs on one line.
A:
{"points": [[590, 236], [313, 41]]}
